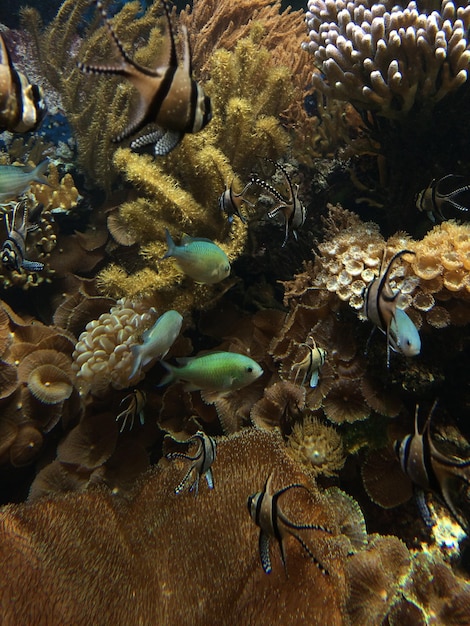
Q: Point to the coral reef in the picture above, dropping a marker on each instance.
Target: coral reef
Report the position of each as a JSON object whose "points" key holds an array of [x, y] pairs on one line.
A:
{"points": [[432, 284], [149, 586], [385, 58], [102, 356], [38, 387]]}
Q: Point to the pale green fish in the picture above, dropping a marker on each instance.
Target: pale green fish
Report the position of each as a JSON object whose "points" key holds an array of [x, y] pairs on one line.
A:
{"points": [[216, 371], [15, 179], [201, 259], [156, 341]]}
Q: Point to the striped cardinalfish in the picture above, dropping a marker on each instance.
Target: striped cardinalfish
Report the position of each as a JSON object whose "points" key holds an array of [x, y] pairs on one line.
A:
{"points": [[170, 100], [22, 104], [13, 253], [133, 406], [309, 367], [431, 470], [291, 208], [230, 202], [267, 514], [380, 307], [201, 461], [447, 192]]}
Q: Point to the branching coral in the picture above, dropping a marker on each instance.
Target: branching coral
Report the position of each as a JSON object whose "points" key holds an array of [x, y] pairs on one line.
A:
{"points": [[386, 58]]}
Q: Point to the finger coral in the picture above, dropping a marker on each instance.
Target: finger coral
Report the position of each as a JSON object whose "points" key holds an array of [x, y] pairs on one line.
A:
{"points": [[387, 58]]}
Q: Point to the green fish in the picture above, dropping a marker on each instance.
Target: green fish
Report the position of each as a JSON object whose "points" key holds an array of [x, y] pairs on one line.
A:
{"points": [[16, 179], [216, 371], [201, 259]]}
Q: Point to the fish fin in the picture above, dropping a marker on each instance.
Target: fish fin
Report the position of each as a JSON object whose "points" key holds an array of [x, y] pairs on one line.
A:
{"points": [[32, 266], [264, 552], [186, 239], [169, 377], [137, 121], [210, 479], [135, 351], [163, 140], [39, 171], [448, 501], [171, 245], [179, 488], [314, 379], [311, 555]]}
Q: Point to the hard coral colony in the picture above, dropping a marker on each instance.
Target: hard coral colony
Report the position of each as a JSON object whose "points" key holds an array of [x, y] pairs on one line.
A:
{"points": [[217, 202]]}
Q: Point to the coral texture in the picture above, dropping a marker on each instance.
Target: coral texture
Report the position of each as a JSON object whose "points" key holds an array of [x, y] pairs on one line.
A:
{"points": [[102, 356], [382, 57]]}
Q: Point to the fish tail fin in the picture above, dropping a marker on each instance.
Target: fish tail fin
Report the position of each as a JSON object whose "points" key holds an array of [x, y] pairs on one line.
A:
{"points": [[39, 171], [169, 376], [170, 243], [136, 356]]}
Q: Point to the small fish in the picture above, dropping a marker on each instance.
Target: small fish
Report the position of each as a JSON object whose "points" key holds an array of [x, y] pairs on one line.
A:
{"points": [[216, 371], [201, 259], [156, 341], [291, 208], [22, 104], [441, 193], [432, 470], [310, 366], [201, 462], [135, 407], [169, 97], [13, 248], [266, 513], [16, 179], [230, 202], [380, 307]]}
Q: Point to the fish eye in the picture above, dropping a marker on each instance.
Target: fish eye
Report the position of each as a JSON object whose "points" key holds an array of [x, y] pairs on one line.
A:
{"points": [[249, 369]]}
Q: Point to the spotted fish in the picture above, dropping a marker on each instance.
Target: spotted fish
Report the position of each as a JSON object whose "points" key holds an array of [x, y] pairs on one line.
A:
{"points": [[22, 104], [430, 469], [169, 98], [380, 307], [13, 248], [201, 461], [266, 513]]}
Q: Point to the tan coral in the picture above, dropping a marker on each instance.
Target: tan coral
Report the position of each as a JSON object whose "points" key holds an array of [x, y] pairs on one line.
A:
{"points": [[316, 446], [102, 355]]}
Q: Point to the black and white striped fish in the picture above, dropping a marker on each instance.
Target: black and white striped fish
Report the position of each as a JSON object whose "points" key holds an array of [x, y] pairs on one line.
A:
{"points": [[266, 513], [447, 192], [170, 100], [311, 365], [292, 208], [201, 462], [14, 246], [230, 202], [380, 307], [430, 469], [22, 104]]}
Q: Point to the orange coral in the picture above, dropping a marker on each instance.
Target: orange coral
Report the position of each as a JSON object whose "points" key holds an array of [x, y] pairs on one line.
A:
{"points": [[108, 568]]}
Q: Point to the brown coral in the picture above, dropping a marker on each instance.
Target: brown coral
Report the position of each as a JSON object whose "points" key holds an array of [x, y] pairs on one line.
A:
{"points": [[155, 588]]}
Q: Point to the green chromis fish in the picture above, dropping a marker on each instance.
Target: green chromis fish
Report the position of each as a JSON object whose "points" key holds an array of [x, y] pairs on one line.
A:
{"points": [[16, 179], [201, 259], [156, 341], [216, 371]]}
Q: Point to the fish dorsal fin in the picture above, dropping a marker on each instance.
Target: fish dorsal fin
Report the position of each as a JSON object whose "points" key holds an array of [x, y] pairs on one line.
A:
{"points": [[171, 51], [186, 239]]}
